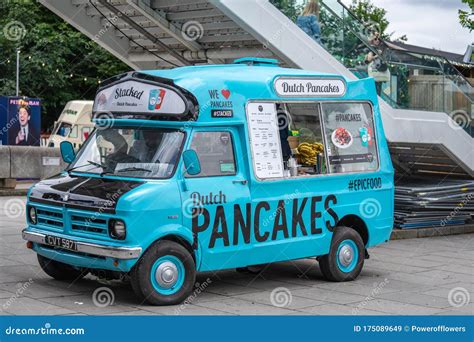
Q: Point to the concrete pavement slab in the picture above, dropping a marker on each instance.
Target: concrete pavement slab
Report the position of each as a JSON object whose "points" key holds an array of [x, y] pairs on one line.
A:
{"points": [[395, 308], [238, 306], [338, 309], [29, 306], [296, 302]]}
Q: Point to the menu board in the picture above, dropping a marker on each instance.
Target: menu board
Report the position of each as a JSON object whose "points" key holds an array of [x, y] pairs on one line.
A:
{"points": [[265, 140]]}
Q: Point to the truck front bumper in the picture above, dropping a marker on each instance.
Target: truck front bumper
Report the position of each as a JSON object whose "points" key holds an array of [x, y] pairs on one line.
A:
{"points": [[123, 253]]}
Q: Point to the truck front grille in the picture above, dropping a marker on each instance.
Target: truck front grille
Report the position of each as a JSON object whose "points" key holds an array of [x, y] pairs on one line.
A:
{"points": [[50, 218], [89, 223]]}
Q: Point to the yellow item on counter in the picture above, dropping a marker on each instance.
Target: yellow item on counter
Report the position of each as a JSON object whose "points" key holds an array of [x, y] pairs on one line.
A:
{"points": [[307, 152]]}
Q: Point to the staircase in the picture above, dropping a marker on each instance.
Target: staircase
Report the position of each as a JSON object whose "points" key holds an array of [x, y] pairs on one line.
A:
{"points": [[150, 34]]}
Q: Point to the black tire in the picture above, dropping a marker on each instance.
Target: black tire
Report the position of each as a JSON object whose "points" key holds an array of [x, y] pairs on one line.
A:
{"points": [[135, 284], [60, 271], [334, 270], [142, 274]]}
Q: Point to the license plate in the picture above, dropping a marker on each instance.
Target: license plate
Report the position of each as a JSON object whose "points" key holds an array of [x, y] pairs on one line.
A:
{"points": [[61, 242]]}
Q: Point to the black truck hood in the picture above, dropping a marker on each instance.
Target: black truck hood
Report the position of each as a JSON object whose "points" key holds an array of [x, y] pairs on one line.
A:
{"points": [[81, 192]]}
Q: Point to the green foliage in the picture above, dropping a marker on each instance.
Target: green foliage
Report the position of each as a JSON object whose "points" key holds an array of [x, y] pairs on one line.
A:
{"points": [[371, 16], [288, 7], [466, 18], [57, 63]]}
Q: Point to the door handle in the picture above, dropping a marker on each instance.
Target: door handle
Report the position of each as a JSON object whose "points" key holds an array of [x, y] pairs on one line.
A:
{"points": [[242, 181]]}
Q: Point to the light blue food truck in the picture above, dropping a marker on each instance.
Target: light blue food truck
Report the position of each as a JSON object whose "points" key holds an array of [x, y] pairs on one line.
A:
{"points": [[213, 167]]}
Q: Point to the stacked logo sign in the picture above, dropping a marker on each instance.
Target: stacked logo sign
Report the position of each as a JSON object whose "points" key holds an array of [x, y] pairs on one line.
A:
{"points": [[155, 99]]}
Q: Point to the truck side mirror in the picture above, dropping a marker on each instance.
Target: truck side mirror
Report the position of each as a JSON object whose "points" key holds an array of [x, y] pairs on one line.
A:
{"points": [[67, 152], [191, 162]]}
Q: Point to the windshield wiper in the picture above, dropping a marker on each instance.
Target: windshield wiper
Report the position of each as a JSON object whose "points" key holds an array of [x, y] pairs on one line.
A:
{"points": [[97, 164], [89, 162], [133, 169]]}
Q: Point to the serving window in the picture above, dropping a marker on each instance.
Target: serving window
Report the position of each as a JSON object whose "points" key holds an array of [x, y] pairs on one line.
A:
{"points": [[303, 139]]}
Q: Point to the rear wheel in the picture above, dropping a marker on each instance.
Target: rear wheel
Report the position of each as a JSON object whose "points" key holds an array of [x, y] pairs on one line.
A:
{"points": [[346, 256], [165, 274], [60, 271]]}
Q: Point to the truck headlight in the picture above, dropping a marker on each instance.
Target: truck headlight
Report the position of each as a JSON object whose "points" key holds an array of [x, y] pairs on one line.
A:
{"points": [[117, 229], [32, 215]]}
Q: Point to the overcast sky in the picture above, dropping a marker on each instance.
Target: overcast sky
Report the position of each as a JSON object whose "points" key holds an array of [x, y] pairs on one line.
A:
{"points": [[428, 23]]}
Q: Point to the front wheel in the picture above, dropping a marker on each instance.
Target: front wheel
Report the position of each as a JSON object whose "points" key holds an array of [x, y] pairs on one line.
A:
{"points": [[346, 256], [165, 274]]}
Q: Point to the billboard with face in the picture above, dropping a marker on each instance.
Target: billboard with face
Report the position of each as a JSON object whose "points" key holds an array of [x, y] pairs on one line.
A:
{"points": [[21, 121]]}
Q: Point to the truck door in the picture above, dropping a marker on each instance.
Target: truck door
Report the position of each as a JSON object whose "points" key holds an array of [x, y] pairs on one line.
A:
{"points": [[291, 212], [210, 197]]}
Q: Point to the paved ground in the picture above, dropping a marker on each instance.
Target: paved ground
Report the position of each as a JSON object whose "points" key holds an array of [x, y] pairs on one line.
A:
{"points": [[432, 276]]}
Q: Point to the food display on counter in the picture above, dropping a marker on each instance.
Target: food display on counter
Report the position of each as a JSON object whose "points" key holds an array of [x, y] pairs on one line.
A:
{"points": [[306, 153]]}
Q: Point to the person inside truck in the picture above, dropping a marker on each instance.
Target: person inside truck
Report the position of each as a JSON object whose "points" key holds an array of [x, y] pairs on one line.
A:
{"points": [[306, 138], [120, 150], [151, 148]]}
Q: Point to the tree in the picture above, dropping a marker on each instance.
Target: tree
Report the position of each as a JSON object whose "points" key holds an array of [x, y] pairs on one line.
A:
{"points": [[57, 63], [465, 17], [288, 7], [373, 17]]}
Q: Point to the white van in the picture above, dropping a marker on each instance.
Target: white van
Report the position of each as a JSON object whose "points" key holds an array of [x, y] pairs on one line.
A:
{"points": [[74, 124]]}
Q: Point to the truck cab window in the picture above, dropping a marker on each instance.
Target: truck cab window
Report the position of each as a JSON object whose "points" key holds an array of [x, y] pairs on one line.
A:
{"points": [[215, 151], [73, 133], [64, 129]]}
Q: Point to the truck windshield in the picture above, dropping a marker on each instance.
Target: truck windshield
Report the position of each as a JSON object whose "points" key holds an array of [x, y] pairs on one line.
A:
{"points": [[63, 129], [131, 152]]}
